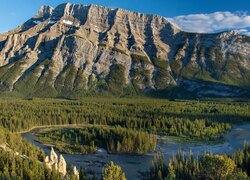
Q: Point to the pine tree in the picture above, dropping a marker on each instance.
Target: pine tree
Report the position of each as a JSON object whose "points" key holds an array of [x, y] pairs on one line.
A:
{"points": [[113, 172], [171, 171]]}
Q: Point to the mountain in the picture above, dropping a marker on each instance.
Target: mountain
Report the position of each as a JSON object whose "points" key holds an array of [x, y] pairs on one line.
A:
{"points": [[77, 50]]}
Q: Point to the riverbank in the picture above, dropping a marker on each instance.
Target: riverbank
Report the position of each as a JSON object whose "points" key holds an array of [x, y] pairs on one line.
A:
{"points": [[48, 135], [48, 127], [134, 164]]}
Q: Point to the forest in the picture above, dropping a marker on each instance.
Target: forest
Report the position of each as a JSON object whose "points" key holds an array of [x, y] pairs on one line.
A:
{"points": [[20, 159], [86, 140], [120, 126], [206, 166], [200, 120]]}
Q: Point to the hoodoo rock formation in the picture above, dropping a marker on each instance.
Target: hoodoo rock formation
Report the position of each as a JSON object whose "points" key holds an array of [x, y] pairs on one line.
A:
{"points": [[60, 164]]}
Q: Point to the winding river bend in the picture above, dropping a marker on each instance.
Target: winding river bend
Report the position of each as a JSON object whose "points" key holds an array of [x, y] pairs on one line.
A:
{"points": [[134, 164]]}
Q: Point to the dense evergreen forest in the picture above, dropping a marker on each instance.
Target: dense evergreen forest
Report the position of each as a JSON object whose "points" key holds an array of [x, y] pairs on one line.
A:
{"points": [[22, 160], [121, 125], [207, 166], [86, 140], [189, 119]]}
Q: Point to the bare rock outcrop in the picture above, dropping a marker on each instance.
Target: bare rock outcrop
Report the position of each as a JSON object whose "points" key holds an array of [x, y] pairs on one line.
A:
{"points": [[52, 160], [60, 164], [75, 172]]}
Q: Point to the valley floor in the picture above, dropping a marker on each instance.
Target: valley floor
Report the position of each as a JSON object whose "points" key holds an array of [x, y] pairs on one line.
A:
{"points": [[120, 129]]}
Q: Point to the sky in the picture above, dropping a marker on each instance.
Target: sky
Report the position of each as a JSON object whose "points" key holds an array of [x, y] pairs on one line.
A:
{"points": [[190, 15]]}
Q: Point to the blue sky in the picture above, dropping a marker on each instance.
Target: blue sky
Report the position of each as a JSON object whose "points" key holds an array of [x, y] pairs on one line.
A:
{"points": [[189, 15]]}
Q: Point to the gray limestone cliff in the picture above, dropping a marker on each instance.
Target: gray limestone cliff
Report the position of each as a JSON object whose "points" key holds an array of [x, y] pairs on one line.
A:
{"points": [[74, 50]]}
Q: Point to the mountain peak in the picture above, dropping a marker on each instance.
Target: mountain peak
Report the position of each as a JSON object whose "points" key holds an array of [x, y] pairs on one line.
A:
{"points": [[44, 11], [81, 11]]}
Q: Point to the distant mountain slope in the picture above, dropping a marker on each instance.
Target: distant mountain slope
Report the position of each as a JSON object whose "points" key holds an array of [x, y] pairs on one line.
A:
{"points": [[78, 50]]}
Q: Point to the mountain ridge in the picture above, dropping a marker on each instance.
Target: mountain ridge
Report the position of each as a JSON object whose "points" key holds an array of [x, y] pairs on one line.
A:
{"points": [[79, 50]]}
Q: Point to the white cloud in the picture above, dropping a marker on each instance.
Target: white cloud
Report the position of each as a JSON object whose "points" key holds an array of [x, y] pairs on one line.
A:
{"points": [[214, 22]]}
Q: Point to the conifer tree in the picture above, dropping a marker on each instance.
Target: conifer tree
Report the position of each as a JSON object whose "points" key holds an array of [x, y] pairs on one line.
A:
{"points": [[113, 172]]}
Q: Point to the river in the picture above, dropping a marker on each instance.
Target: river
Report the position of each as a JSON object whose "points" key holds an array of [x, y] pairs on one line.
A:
{"points": [[132, 165]]}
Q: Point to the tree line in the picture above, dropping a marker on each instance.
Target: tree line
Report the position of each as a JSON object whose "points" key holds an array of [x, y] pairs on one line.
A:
{"points": [[86, 140], [206, 166], [21, 160], [194, 119]]}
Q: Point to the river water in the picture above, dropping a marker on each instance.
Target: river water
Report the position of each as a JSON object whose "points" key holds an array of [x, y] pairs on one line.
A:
{"points": [[132, 165]]}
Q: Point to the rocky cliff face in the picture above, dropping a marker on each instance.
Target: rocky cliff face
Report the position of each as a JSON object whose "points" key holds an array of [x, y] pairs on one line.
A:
{"points": [[77, 50]]}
